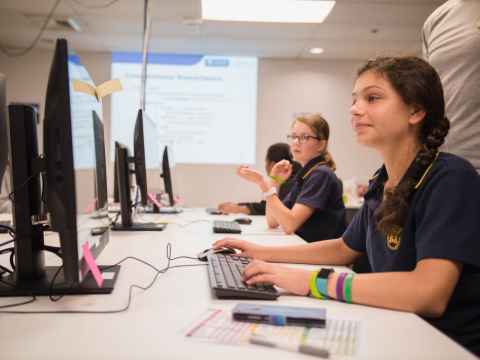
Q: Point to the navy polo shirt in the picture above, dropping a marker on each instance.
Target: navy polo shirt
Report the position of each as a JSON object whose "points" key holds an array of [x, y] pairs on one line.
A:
{"points": [[317, 187], [443, 221]]}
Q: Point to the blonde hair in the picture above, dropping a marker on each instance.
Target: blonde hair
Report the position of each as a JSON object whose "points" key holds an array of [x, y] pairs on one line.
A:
{"points": [[319, 126]]}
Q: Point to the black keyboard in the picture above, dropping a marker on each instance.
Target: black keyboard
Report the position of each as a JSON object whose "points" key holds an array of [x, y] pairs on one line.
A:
{"points": [[226, 227], [225, 276]]}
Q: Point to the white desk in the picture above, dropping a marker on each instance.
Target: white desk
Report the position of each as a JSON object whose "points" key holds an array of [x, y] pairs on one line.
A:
{"points": [[154, 326]]}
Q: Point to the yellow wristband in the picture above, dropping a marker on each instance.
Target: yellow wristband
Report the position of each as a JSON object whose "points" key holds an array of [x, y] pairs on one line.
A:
{"points": [[277, 179], [313, 286]]}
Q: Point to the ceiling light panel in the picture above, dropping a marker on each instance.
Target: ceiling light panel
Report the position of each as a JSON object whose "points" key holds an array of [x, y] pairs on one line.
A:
{"points": [[282, 11]]}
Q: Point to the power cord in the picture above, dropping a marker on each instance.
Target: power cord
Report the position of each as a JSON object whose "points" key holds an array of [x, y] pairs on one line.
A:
{"points": [[130, 291]]}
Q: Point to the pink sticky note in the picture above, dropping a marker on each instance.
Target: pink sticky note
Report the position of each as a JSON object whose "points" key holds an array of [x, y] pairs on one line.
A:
{"points": [[90, 207], [92, 264], [154, 200]]}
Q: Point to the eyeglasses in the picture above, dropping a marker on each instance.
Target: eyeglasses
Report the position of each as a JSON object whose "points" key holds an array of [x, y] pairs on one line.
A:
{"points": [[301, 138]]}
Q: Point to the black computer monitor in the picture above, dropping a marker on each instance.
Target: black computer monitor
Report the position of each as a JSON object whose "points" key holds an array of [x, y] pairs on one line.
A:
{"points": [[3, 129], [68, 141], [139, 158], [167, 176], [101, 192], [123, 171]]}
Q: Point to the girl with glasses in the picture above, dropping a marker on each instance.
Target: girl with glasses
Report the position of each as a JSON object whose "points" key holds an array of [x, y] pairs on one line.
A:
{"points": [[313, 208]]}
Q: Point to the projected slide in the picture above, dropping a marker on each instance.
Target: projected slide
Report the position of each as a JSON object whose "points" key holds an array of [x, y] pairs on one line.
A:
{"points": [[81, 106], [203, 107]]}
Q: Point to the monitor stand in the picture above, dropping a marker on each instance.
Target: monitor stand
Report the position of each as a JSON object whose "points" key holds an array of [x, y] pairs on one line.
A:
{"points": [[9, 286], [148, 226]]}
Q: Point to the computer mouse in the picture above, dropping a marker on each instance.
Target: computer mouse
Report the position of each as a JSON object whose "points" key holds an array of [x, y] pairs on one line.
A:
{"points": [[243, 221], [203, 255]]}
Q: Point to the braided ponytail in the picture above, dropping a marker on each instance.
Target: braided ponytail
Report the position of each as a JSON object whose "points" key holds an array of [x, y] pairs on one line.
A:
{"points": [[418, 84]]}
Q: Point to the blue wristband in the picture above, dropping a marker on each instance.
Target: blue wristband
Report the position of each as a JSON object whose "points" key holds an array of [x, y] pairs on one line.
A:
{"points": [[322, 286]]}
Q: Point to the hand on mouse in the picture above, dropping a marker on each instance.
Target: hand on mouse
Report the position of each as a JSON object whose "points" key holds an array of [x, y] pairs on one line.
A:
{"points": [[247, 249]]}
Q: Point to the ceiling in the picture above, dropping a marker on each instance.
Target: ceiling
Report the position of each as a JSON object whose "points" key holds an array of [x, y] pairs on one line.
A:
{"points": [[355, 29]]}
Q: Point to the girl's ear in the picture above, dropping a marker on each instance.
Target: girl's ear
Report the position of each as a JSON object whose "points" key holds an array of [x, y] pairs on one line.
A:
{"points": [[416, 116]]}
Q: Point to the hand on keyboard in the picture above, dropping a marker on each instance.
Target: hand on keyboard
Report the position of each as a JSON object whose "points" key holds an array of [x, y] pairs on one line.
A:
{"points": [[293, 280]]}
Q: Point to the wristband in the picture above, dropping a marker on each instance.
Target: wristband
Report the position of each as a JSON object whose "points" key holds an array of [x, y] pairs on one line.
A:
{"points": [[339, 286], [322, 281], [277, 179], [313, 286], [348, 288], [269, 192]]}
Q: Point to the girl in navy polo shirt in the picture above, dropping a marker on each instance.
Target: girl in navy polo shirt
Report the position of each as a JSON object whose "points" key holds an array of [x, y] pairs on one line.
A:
{"points": [[419, 224], [313, 208]]}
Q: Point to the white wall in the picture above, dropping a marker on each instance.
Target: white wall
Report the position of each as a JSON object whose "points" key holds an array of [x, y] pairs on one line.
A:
{"points": [[285, 87]]}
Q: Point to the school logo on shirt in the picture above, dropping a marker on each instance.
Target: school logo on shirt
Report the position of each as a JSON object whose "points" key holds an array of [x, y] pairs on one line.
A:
{"points": [[394, 238]]}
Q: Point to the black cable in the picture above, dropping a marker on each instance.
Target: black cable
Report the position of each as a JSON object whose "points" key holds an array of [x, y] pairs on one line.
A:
{"points": [[103, 6], [9, 229], [22, 52], [6, 242], [10, 196], [17, 304], [130, 290], [5, 270]]}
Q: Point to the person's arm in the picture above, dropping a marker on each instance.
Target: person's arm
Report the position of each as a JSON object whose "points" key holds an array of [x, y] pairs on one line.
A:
{"points": [[232, 208], [425, 291], [333, 252], [255, 208], [289, 219]]}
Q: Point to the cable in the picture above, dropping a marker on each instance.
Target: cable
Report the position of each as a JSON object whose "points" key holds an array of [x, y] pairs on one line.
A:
{"points": [[10, 196], [130, 290], [6, 242], [9, 229], [104, 6], [33, 299], [22, 52]]}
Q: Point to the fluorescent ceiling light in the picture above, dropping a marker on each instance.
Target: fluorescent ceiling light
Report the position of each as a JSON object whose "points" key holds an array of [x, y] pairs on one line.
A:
{"points": [[316, 50], [283, 11]]}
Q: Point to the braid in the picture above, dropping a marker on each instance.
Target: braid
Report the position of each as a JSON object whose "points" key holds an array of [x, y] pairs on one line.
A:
{"points": [[418, 85]]}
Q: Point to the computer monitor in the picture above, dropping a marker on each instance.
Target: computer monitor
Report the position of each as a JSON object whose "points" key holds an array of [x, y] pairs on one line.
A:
{"points": [[101, 192], [123, 171], [68, 146], [167, 176], [139, 158], [3, 129]]}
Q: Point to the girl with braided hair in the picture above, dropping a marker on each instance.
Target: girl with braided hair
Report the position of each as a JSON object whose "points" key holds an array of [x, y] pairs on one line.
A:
{"points": [[419, 224]]}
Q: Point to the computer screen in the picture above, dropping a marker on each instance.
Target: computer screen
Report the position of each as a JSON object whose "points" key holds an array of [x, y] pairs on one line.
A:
{"points": [[123, 177], [124, 185], [3, 129], [101, 192], [68, 147], [139, 157], [167, 177]]}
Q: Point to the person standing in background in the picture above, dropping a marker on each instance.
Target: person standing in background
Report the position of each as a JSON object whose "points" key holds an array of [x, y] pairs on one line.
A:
{"points": [[451, 44]]}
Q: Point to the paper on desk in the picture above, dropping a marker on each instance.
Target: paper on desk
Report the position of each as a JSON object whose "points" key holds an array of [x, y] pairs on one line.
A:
{"points": [[339, 336], [99, 91]]}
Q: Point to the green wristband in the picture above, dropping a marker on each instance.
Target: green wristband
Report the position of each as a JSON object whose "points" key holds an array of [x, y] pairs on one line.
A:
{"points": [[277, 179], [313, 286], [348, 288]]}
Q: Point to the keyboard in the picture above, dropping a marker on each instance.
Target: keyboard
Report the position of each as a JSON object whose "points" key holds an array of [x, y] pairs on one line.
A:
{"points": [[225, 276], [226, 227]]}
